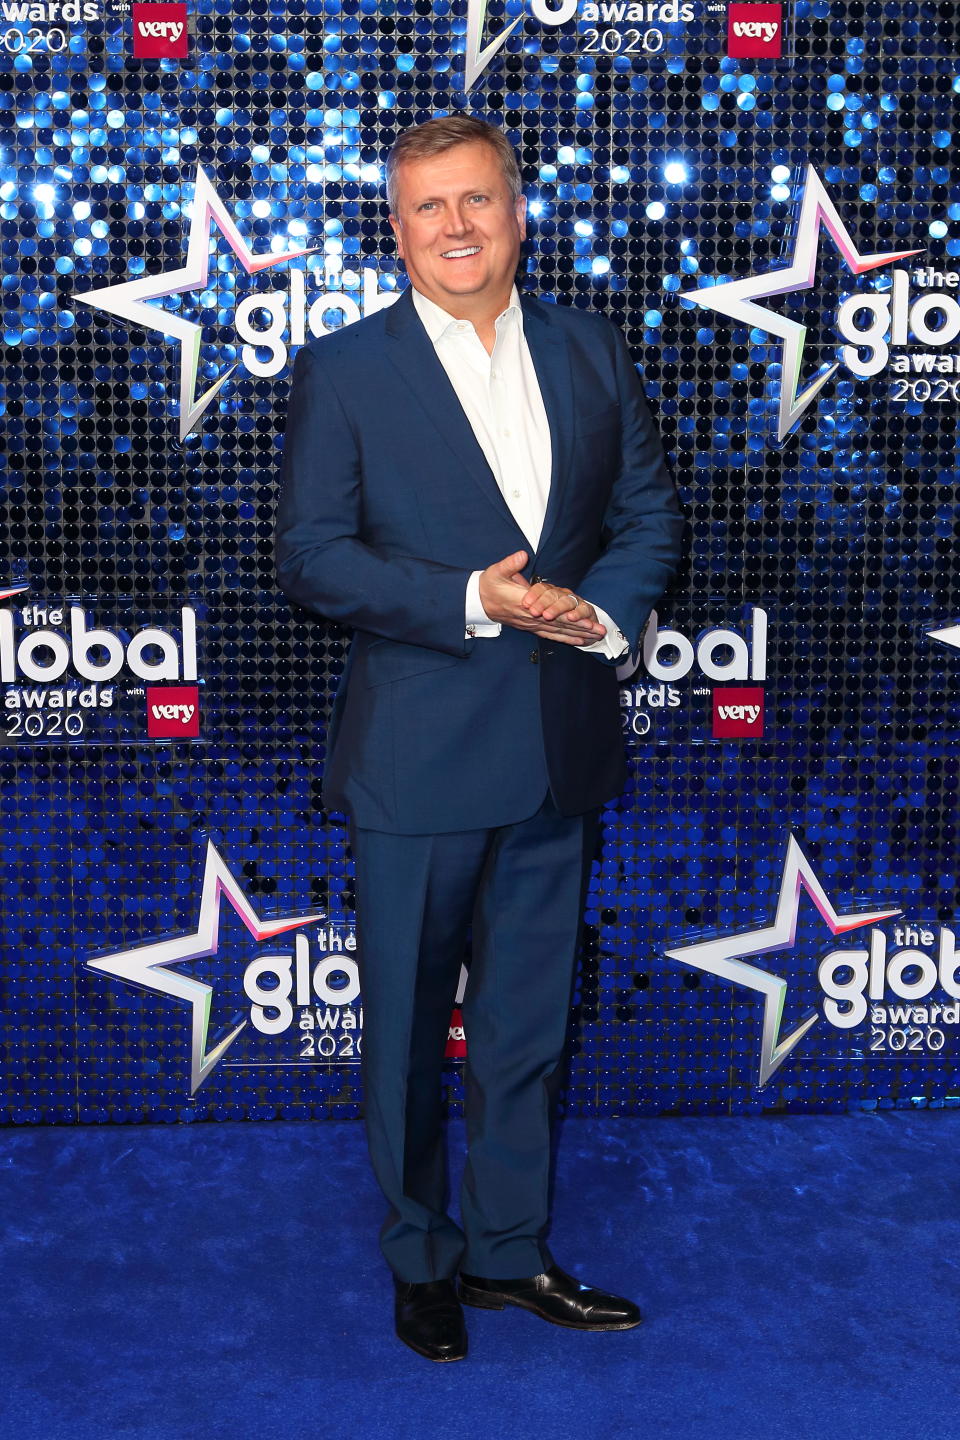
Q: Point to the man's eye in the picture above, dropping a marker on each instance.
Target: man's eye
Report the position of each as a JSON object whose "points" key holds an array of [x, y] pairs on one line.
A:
{"points": [[478, 197], [427, 205]]}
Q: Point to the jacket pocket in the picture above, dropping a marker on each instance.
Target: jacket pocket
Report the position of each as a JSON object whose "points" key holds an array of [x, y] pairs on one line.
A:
{"points": [[607, 419], [388, 660]]}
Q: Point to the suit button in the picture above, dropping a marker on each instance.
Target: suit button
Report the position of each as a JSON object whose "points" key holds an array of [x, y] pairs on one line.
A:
{"points": [[534, 657]]}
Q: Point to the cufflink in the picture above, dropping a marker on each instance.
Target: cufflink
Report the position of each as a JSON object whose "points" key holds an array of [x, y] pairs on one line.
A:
{"points": [[471, 632]]}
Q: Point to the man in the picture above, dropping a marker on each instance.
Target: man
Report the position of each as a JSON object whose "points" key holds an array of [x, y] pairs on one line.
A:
{"points": [[472, 483]]}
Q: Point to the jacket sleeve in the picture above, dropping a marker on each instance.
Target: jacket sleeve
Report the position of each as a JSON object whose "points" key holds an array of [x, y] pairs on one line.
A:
{"points": [[643, 525], [323, 563]]}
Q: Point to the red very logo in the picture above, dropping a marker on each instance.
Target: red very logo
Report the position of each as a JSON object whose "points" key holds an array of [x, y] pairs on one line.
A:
{"points": [[456, 1039], [738, 713], [173, 711], [159, 30], [754, 30]]}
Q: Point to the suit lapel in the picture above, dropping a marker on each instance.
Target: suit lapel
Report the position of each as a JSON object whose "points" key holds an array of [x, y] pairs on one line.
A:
{"points": [[416, 362], [551, 361]]}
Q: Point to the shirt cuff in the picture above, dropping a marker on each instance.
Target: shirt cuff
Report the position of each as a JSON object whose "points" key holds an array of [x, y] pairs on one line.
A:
{"points": [[614, 643], [477, 623]]}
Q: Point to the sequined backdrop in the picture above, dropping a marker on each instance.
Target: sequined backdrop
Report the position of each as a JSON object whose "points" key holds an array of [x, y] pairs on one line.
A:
{"points": [[770, 924]]}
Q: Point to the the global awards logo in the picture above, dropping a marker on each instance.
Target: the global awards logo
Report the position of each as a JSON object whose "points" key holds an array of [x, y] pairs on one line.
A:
{"points": [[272, 982], [302, 997], [900, 983], [59, 672], [291, 314]]}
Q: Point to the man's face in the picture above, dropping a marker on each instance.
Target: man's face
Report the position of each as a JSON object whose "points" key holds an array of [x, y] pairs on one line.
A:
{"points": [[458, 229]]}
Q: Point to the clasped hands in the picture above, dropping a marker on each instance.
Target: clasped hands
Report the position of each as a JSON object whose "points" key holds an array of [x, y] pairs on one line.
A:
{"points": [[550, 611]]}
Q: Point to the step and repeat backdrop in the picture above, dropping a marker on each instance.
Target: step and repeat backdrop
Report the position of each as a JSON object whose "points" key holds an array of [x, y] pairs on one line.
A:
{"points": [[765, 198]]}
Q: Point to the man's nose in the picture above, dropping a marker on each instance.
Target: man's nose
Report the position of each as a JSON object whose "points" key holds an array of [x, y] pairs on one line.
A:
{"points": [[458, 220]]}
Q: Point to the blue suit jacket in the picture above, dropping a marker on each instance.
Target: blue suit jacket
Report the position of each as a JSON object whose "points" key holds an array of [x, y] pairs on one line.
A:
{"points": [[388, 504]]}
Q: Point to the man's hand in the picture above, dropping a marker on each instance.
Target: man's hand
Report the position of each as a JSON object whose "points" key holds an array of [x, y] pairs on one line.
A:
{"points": [[556, 603], [546, 610]]}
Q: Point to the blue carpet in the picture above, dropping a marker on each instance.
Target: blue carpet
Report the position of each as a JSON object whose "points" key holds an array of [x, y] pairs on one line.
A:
{"points": [[800, 1278]]}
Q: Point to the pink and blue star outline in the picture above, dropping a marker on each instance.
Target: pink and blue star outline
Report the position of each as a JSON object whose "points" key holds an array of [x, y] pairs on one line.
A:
{"points": [[723, 956], [737, 299]]}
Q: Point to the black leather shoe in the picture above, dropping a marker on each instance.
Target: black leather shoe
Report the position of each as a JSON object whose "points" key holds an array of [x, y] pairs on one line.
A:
{"points": [[429, 1318], [554, 1296]]}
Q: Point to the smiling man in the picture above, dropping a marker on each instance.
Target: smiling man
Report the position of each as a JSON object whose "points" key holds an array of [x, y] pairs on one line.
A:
{"points": [[442, 458]]}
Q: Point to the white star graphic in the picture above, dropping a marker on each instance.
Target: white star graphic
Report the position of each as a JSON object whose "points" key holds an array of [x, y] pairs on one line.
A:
{"points": [[126, 300], [736, 299], [720, 957], [948, 635], [475, 60], [145, 965]]}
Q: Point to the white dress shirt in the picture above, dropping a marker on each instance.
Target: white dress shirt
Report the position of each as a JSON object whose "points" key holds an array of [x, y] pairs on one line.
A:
{"points": [[500, 396]]}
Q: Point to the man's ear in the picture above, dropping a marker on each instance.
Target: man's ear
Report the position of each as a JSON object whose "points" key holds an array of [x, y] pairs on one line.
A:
{"points": [[397, 229], [521, 214]]}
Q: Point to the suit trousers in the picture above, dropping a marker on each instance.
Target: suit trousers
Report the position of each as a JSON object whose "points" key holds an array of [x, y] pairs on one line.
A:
{"points": [[522, 888]]}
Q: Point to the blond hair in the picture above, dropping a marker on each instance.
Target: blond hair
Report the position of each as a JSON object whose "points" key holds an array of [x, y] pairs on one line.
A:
{"points": [[435, 136]]}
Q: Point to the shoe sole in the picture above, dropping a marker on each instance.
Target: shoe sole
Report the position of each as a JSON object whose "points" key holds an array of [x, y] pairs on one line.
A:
{"points": [[480, 1300]]}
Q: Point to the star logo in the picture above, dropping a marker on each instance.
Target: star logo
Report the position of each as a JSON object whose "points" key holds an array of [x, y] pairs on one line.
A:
{"points": [[737, 299], [14, 590], [724, 956], [475, 59], [147, 965], [127, 300], [948, 635]]}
